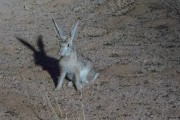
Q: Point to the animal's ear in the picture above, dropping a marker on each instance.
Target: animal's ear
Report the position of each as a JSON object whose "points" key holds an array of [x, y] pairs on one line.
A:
{"points": [[73, 30], [58, 30]]}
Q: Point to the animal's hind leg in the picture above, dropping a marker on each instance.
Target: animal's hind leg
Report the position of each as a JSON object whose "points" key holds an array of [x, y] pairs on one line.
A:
{"points": [[84, 80], [78, 81], [70, 78], [83, 76]]}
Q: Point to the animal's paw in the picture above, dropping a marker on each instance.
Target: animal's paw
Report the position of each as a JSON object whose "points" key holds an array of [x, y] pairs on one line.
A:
{"points": [[56, 89], [79, 87]]}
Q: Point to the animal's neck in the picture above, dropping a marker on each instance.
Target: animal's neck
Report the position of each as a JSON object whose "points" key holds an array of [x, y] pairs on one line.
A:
{"points": [[72, 53]]}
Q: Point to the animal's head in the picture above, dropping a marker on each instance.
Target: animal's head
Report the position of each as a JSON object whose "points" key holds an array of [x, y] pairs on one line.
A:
{"points": [[65, 41]]}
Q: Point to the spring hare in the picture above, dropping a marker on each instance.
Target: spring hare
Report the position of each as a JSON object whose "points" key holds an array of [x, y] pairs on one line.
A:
{"points": [[73, 66]]}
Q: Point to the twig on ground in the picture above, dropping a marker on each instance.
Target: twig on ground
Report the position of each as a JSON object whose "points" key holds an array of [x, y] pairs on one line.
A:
{"points": [[60, 111], [56, 116], [82, 106]]}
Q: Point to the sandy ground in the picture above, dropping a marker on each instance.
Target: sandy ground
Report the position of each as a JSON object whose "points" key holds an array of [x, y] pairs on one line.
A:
{"points": [[134, 44]]}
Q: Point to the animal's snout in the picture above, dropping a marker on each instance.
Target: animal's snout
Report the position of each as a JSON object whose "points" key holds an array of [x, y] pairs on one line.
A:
{"points": [[62, 52]]}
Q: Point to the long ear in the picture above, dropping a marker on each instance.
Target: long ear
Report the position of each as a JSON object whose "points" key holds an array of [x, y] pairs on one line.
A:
{"points": [[73, 30], [58, 30]]}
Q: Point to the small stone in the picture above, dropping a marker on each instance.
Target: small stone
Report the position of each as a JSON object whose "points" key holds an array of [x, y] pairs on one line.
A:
{"points": [[70, 84], [77, 9], [1, 76]]}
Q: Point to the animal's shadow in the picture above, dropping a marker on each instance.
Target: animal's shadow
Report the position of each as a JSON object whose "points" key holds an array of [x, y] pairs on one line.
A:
{"points": [[50, 64]]}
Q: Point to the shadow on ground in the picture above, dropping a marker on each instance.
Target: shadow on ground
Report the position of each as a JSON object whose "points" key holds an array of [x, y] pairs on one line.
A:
{"points": [[50, 64]]}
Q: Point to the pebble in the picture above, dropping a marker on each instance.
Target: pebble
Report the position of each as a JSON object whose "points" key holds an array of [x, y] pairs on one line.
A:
{"points": [[1, 76]]}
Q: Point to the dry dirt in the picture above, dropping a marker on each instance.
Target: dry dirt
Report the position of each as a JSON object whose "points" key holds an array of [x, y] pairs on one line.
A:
{"points": [[134, 44]]}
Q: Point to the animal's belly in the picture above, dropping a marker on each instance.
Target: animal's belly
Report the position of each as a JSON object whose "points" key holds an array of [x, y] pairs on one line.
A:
{"points": [[70, 76]]}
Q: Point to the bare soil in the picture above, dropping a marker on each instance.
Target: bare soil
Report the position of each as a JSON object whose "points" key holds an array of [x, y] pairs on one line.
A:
{"points": [[134, 44]]}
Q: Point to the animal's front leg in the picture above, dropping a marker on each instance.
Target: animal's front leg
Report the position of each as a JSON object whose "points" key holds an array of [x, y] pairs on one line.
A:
{"points": [[60, 81], [78, 81]]}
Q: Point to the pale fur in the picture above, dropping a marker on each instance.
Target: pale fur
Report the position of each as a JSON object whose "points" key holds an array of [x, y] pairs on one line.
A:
{"points": [[73, 66]]}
